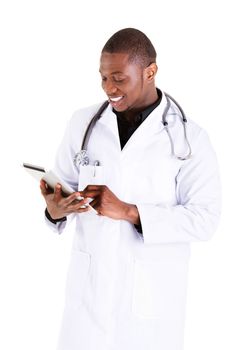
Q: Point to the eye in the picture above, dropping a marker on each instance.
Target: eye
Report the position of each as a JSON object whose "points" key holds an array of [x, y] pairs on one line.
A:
{"points": [[118, 80], [103, 78]]}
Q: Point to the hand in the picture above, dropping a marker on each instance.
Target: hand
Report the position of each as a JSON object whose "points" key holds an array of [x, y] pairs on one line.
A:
{"points": [[59, 206], [106, 203]]}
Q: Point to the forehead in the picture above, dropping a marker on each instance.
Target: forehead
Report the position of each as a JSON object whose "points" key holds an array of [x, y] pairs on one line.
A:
{"points": [[111, 63]]}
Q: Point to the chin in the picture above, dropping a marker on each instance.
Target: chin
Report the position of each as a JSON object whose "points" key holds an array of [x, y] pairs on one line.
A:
{"points": [[120, 109]]}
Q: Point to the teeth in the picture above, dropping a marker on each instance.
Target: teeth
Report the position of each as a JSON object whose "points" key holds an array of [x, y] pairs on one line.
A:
{"points": [[115, 99]]}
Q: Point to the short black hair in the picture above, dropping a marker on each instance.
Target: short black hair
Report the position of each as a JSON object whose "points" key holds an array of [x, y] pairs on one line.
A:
{"points": [[133, 42]]}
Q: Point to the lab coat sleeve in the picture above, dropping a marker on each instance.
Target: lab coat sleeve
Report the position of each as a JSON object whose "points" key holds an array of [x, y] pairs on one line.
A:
{"points": [[58, 227], [195, 216], [65, 169], [64, 164]]}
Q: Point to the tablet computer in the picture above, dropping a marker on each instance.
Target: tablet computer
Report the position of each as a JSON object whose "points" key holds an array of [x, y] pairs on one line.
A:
{"points": [[40, 173]]}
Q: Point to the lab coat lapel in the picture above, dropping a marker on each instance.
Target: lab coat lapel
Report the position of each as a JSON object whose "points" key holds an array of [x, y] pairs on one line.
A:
{"points": [[152, 125], [109, 120]]}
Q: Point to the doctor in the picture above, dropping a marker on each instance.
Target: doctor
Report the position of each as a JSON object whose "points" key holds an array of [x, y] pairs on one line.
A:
{"points": [[127, 280]]}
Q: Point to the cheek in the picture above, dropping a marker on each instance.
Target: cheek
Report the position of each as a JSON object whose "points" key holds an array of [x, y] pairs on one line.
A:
{"points": [[135, 91]]}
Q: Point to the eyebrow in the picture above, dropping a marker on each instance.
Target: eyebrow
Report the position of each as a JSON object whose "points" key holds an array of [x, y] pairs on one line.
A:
{"points": [[116, 72]]}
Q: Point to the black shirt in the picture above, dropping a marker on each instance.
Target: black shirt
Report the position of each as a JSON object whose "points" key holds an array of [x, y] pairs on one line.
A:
{"points": [[127, 128]]}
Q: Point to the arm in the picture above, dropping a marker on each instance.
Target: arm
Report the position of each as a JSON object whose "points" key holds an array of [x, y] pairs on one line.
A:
{"points": [[196, 214], [57, 218], [107, 204], [66, 170], [193, 218]]}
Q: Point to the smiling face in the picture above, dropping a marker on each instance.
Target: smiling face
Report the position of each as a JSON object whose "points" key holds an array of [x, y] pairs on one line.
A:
{"points": [[127, 85]]}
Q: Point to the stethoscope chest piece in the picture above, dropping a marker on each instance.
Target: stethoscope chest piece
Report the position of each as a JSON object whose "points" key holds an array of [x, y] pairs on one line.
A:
{"points": [[81, 158]]}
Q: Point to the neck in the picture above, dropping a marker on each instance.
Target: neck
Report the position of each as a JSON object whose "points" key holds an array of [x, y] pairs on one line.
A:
{"points": [[149, 99]]}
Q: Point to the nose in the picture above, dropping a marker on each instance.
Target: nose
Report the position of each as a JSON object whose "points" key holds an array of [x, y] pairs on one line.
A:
{"points": [[109, 87]]}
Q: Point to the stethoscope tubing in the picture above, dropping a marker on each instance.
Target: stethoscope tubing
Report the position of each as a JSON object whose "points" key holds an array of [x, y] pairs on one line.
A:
{"points": [[184, 123], [91, 125], [82, 155]]}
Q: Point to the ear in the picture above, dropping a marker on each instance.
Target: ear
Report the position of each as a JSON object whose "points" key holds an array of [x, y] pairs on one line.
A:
{"points": [[150, 72]]}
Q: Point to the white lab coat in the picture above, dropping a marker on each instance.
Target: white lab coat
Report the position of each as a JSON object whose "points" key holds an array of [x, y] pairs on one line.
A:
{"points": [[126, 290]]}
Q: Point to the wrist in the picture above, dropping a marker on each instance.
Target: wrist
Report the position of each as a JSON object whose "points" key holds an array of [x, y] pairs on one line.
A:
{"points": [[132, 214], [52, 219]]}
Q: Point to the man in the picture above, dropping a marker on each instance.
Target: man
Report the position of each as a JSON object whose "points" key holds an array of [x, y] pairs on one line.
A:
{"points": [[126, 286]]}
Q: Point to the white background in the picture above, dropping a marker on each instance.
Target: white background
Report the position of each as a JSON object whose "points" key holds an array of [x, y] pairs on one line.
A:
{"points": [[49, 67]]}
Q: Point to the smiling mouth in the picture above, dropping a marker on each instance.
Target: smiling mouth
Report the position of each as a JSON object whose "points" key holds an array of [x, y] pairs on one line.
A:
{"points": [[115, 99]]}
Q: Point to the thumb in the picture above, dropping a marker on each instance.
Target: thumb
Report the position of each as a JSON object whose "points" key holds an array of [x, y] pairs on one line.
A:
{"points": [[43, 187]]}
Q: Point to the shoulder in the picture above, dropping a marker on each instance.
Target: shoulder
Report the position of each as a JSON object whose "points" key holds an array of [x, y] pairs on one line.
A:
{"points": [[84, 115], [78, 123], [200, 142], [196, 132]]}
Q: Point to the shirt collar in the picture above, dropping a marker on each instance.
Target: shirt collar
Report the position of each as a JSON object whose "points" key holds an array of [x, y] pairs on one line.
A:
{"points": [[142, 115]]}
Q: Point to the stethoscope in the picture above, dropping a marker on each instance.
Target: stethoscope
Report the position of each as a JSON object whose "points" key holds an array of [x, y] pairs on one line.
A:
{"points": [[184, 123], [81, 158]]}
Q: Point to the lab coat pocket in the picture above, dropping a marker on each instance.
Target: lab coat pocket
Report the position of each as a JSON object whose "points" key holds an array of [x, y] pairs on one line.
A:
{"points": [[77, 278], [159, 290], [90, 175]]}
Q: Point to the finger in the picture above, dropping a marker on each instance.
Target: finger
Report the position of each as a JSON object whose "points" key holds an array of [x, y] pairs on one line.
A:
{"points": [[97, 206], [43, 187], [79, 204], [57, 192], [90, 193], [93, 187], [72, 198], [89, 188], [74, 209], [95, 202]]}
